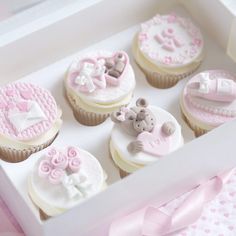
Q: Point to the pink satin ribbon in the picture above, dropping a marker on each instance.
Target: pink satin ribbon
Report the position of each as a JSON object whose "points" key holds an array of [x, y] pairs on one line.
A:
{"points": [[151, 221]]}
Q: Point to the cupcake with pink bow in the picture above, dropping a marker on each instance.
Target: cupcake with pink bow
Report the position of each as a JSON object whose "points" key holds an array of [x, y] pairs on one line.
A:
{"points": [[97, 84], [63, 178], [168, 48], [29, 120]]}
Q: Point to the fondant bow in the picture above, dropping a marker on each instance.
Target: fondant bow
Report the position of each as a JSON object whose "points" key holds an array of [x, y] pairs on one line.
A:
{"points": [[91, 75], [76, 184], [152, 221]]}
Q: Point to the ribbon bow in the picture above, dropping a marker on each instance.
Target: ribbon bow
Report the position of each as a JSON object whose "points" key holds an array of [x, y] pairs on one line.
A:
{"points": [[204, 83], [152, 221], [92, 75], [76, 185]]}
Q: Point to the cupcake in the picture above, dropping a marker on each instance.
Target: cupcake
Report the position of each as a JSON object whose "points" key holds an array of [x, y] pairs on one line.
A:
{"points": [[142, 135], [98, 84], [209, 100], [29, 120], [63, 178], [167, 49]]}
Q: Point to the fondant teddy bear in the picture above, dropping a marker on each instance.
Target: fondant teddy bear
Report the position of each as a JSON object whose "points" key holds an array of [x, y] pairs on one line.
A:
{"points": [[139, 119]]}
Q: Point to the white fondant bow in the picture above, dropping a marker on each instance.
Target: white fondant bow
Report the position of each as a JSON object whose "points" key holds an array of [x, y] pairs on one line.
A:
{"points": [[76, 185], [88, 72], [204, 83]]}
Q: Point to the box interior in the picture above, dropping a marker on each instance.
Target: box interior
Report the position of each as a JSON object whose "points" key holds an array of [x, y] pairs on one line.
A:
{"points": [[171, 176]]}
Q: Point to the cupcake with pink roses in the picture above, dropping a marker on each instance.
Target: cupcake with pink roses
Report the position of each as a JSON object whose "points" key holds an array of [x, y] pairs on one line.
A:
{"points": [[64, 177]]}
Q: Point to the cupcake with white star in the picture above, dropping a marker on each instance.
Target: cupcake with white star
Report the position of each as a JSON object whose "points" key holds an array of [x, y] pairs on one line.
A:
{"points": [[168, 48], [99, 83]]}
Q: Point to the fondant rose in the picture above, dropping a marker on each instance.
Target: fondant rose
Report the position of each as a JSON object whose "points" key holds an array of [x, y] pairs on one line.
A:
{"points": [[52, 152], [60, 161], [74, 164], [45, 168], [56, 176], [72, 152]]}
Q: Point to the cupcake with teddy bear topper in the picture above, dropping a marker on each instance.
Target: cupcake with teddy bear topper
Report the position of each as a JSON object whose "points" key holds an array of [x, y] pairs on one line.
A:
{"points": [[209, 100], [99, 83], [29, 120], [62, 178], [168, 48], [142, 135]]}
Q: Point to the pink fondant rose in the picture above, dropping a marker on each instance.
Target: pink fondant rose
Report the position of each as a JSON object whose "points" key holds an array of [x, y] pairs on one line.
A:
{"points": [[72, 152], [56, 176], [45, 168], [51, 153], [60, 161], [74, 164]]}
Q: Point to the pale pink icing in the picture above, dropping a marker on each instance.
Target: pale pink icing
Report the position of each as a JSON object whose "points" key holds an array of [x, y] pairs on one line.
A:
{"points": [[201, 110], [56, 164], [156, 142], [26, 100], [170, 40], [88, 80]]}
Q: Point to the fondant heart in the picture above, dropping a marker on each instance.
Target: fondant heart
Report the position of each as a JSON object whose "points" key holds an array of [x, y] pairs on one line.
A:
{"points": [[10, 105], [26, 94], [119, 63], [10, 92], [96, 72], [22, 106], [2, 105], [155, 143]]}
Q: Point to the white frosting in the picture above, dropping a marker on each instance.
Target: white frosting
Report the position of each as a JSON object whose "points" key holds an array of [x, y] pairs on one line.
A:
{"points": [[55, 199], [147, 64], [120, 139], [170, 41], [110, 94]]}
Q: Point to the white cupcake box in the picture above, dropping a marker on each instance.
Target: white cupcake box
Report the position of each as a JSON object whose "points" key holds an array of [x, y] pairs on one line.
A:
{"points": [[41, 51]]}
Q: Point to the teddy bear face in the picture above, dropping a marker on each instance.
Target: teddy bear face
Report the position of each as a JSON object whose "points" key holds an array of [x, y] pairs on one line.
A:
{"points": [[135, 120]]}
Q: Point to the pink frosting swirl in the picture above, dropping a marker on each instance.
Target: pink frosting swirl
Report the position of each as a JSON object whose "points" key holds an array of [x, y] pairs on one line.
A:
{"points": [[72, 152], [74, 164], [56, 176], [45, 168], [60, 161]]}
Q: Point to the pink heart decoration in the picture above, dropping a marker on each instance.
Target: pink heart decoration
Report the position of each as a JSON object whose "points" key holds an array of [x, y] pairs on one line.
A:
{"points": [[22, 106], [26, 94], [10, 105], [10, 92], [155, 143], [116, 81], [2, 105]]}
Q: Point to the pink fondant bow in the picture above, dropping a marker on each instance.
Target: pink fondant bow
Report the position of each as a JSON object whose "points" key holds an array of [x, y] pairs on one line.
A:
{"points": [[152, 221]]}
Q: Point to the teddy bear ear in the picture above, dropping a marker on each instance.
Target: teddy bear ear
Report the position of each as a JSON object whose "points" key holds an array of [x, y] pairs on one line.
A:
{"points": [[114, 117], [141, 102]]}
